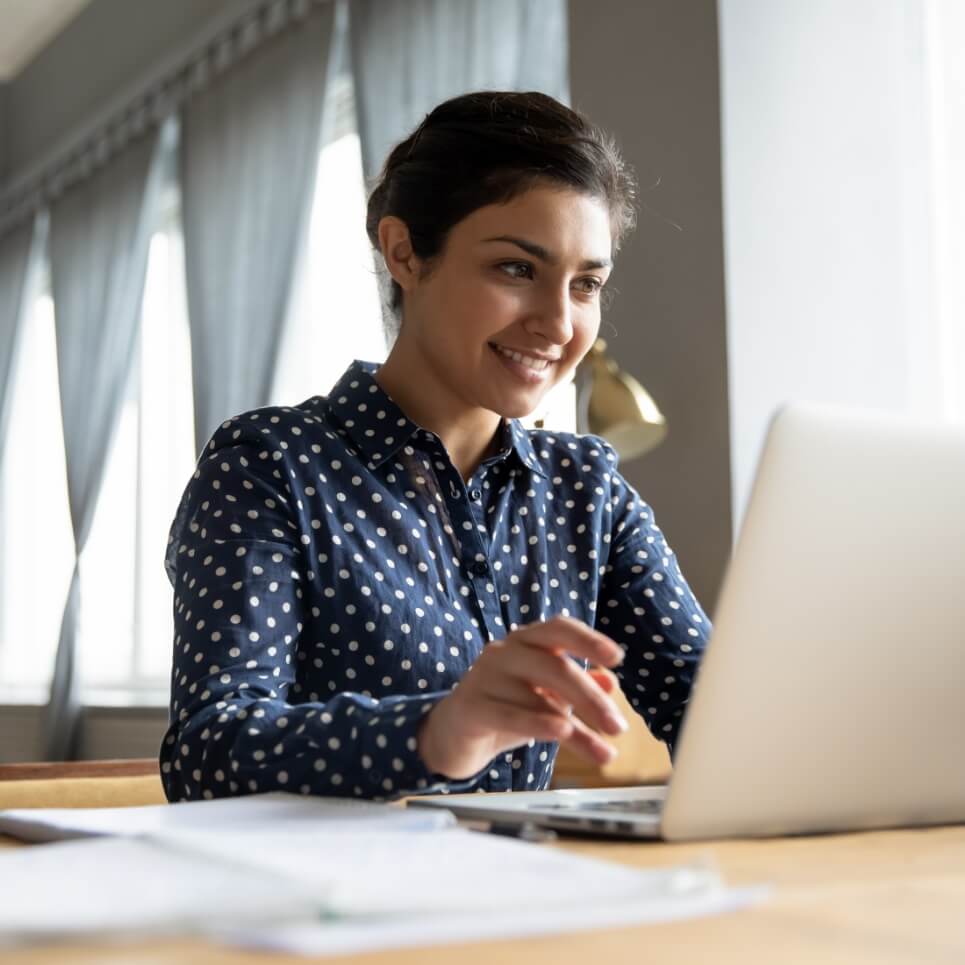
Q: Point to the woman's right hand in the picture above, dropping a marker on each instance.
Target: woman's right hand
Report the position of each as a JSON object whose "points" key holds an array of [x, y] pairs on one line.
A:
{"points": [[526, 687]]}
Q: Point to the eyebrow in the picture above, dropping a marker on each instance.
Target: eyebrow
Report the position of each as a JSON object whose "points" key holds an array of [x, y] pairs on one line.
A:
{"points": [[538, 251]]}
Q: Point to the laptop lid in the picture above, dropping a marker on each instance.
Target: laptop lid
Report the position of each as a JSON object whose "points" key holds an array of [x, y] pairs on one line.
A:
{"points": [[831, 693]]}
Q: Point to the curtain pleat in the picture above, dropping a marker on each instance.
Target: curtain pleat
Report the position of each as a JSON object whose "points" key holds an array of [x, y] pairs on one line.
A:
{"points": [[99, 238], [408, 57], [249, 153], [19, 250], [15, 258]]}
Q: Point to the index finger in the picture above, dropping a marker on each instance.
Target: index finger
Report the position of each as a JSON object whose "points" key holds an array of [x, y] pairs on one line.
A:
{"points": [[573, 637]]}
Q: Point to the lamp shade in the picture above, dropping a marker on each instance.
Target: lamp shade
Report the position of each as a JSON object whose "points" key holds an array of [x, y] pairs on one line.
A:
{"points": [[613, 404]]}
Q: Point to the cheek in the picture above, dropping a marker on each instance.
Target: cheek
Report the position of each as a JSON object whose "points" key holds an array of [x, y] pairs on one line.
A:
{"points": [[586, 327], [496, 298], [482, 310]]}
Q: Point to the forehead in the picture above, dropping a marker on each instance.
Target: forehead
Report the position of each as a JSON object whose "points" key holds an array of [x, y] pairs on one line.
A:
{"points": [[563, 220]]}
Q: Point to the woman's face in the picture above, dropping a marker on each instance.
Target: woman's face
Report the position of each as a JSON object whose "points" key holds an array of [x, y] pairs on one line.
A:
{"points": [[513, 302]]}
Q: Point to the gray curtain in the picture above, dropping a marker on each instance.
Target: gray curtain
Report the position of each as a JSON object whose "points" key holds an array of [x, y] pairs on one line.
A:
{"points": [[16, 248], [19, 249], [249, 152], [407, 57], [99, 237]]}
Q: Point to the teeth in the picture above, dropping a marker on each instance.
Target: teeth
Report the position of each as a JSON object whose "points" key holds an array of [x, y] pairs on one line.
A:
{"points": [[536, 364]]}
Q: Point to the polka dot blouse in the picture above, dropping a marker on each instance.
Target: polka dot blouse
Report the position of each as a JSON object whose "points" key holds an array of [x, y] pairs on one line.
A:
{"points": [[334, 577]]}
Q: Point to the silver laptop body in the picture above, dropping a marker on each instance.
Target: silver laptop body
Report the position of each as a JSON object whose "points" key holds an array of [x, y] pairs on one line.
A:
{"points": [[832, 693]]}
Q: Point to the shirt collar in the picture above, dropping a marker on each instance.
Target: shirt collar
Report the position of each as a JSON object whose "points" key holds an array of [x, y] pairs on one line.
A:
{"points": [[378, 428], [522, 445]]}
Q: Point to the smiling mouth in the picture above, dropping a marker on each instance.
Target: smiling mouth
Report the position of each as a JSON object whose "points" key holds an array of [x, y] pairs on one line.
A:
{"points": [[530, 361]]}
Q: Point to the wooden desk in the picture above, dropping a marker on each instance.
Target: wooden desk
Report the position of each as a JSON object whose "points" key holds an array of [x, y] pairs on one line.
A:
{"points": [[83, 784], [880, 898]]}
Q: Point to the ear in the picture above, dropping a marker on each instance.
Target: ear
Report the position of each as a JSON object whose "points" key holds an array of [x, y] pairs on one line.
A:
{"points": [[396, 247]]}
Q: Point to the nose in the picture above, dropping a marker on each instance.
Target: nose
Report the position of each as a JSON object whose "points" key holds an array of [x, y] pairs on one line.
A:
{"points": [[553, 317]]}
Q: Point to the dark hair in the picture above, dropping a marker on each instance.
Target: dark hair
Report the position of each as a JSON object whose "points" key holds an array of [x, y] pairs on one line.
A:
{"points": [[486, 148]]}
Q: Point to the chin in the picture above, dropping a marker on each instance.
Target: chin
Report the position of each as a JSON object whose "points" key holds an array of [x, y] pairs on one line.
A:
{"points": [[517, 413], [516, 410]]}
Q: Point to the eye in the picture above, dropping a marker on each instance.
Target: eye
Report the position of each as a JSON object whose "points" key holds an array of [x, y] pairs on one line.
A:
{"points": [[588, 286], [516, 269]]}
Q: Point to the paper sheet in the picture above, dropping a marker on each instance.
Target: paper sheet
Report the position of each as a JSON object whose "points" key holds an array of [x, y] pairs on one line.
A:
{"points": [[266, 811], [132, 886], [354, 937], [277, 875], [401, 873]]}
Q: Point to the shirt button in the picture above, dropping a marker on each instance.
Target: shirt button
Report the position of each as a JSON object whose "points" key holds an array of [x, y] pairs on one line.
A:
{"points": [[480, 568], [475, 495]]}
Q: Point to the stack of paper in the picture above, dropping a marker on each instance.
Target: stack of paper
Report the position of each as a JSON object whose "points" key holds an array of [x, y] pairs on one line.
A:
{"points": [[382, 873], [317, 876], [134, 886], [395, 889], [274, 811]]}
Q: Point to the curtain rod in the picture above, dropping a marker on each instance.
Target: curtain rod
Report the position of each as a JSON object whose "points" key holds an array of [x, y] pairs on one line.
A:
{"points": [[219, 46]]}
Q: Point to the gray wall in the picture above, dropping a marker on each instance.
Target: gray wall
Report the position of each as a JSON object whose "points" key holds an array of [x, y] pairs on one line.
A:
{"points": [[110, 45], [648, 72], [4, 136], [105, 732]]}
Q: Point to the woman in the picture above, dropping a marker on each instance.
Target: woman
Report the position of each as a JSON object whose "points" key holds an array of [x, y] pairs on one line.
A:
{"points": [[393, 590]]}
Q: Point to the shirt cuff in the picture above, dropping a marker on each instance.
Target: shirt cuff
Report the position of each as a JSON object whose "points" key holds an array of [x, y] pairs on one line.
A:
{"points": [[390, 751]]}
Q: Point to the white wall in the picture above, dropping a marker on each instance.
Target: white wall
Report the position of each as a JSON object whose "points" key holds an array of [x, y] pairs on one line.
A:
{"points": [[945, 38], [826, 211]]}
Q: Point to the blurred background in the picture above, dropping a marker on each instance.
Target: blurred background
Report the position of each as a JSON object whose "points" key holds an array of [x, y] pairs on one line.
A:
{"points": [[182, 196]]}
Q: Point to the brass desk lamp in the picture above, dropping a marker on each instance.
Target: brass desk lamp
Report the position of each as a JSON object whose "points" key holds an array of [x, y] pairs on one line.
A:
{"points": [[613, 404]]}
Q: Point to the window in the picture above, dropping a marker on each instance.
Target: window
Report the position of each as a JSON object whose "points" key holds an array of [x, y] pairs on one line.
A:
{"points": [[334, 314], [126, 624], [38, 544], [166, 454]]}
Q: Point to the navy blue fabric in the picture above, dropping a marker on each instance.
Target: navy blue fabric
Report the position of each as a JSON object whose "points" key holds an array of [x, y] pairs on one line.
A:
{"points": [[334, 578]]}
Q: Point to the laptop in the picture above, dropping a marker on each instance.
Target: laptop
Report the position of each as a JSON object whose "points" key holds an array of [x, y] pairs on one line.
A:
{"points": [[831, 696]]}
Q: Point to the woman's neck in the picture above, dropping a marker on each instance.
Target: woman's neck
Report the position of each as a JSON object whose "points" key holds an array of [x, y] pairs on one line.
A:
{"points": [[470, 434]]}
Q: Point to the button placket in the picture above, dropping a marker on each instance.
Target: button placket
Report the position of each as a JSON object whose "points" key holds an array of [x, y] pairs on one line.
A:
{"points": [[483, 573], [467, 515]]}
